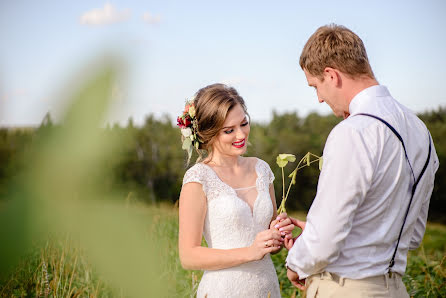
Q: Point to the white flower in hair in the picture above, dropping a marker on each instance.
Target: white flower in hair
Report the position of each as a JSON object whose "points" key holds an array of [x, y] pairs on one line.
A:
{"points": [[186, 132]]}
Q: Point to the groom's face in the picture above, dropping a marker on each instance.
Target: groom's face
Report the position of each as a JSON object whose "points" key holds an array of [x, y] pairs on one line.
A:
{"points": [[326, 91]]}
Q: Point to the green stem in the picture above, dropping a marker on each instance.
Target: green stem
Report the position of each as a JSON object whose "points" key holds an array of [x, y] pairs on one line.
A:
{"points": [[288, 191], [283, 185], [299, 166]]}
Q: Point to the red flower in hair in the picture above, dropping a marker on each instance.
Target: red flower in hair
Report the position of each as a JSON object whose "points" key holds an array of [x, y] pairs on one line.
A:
{"points": [[184, 121], [187, 121], [180, 122]]}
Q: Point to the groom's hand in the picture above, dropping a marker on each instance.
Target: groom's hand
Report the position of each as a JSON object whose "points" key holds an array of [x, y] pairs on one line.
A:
{"points": [[290, 241], [294, 279]]}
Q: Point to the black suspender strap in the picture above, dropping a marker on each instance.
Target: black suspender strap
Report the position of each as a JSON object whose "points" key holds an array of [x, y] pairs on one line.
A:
{"points": [[392, 261]]}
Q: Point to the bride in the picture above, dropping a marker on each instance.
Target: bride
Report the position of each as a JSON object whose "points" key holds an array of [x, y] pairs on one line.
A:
{"points": [[229, 199]]}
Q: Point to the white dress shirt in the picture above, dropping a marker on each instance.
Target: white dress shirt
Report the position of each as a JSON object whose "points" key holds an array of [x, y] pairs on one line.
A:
{"points": [[363, 192]]}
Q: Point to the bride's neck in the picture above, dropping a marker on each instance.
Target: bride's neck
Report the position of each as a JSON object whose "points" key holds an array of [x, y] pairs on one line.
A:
{"points": [[223, 161]]}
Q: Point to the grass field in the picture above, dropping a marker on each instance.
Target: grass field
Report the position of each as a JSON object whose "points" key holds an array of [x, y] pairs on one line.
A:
{"points": [[60, 268]]}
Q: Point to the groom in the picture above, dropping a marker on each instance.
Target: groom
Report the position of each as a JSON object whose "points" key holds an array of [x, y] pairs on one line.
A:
{"points": [[357, 235]]}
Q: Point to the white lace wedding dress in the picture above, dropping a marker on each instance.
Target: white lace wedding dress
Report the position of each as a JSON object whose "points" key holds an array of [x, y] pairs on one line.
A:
{"points": [[230, 223]]}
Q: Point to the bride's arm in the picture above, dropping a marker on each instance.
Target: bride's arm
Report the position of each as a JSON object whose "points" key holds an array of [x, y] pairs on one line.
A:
{"points": [[192, 212]]}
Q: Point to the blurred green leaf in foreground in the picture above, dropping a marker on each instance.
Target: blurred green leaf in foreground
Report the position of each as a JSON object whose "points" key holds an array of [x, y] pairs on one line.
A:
{"points": [[58, 194]]}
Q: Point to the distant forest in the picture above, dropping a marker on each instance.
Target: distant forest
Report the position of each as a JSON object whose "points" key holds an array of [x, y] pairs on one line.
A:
{"points": [[148, 163]]}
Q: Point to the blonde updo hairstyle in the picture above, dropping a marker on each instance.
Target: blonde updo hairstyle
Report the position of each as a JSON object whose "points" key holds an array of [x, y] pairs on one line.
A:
{"points": [[212, 105]]}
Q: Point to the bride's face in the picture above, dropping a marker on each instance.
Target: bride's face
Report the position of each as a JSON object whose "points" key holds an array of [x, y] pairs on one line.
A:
{"points": [[233, 137]]}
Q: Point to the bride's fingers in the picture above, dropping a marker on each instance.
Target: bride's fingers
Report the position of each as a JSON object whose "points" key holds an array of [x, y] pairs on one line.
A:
{"points": [[273, 243], [281, 216], [273, 234], [274, 224], [277, 243], [282, 223], [286, 229]]}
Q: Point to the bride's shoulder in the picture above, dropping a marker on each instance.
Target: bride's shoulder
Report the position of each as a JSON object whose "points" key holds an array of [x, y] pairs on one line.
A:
{"points": [[257, 162], [263, 168], [251, 160], [196, 169], [196, 173]]}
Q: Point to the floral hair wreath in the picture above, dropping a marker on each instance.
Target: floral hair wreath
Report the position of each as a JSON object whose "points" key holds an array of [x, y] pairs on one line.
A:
{"points": [[189, 128]]}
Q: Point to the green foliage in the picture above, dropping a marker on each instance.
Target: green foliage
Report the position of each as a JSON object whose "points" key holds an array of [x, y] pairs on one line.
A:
{"points": [[148, 160], [426, 268], [57, 268], [282, 161], [59, 191], [70, 270]]}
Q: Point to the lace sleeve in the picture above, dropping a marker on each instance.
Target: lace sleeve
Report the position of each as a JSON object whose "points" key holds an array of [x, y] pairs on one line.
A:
{"points": [[197, 174], [270, 174], [266, 171], [193, 175]]}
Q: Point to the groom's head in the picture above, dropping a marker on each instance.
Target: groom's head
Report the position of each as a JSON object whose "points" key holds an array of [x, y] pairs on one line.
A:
{"points": [[335, 63], [336, 47]]}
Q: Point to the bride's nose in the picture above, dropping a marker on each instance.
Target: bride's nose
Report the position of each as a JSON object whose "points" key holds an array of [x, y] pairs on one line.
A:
{"points": [[240, 134]]}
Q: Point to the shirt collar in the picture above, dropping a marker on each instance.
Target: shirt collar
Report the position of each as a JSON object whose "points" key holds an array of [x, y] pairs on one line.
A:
{"points": [[363, 97]]}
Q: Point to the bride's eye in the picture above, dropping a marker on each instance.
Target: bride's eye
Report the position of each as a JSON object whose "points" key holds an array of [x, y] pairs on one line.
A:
{"points": [[228, 131], [246, 123]]}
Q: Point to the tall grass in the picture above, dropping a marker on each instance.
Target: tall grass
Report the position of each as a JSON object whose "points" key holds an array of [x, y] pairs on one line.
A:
{"points": [[59, 268]]}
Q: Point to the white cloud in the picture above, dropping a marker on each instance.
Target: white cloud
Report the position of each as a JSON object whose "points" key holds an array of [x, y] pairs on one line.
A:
{"points": [[151, 19], [102, 16]]}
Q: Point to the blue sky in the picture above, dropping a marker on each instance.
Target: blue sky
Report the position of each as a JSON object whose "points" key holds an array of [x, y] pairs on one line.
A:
{"points": [[173, 48]]}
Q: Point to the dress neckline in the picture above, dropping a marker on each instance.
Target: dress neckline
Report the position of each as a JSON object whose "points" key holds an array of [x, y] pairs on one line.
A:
{"points": [[240, 188], [234, 190]]}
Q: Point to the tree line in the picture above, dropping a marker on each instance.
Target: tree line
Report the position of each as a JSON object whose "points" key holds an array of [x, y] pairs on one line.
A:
{"points": [[148, 164]]}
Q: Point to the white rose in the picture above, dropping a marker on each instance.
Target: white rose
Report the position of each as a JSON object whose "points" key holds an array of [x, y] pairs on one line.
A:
{"points": [[186, 132]]}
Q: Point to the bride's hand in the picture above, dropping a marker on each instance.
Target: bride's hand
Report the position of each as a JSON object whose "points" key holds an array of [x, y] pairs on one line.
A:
{"points": [[266, 242], [284, 225]]}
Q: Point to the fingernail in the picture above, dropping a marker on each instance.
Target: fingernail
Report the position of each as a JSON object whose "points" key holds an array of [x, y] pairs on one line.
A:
{"points": [[281, 229], [282, 233], [276, 226]]}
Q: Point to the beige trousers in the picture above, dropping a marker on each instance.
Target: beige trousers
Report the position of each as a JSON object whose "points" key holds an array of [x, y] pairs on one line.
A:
{"points": [[331, 285]]}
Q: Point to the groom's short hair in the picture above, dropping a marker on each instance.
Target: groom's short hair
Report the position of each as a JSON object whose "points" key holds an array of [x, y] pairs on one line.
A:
{"points": [[337, 47]]}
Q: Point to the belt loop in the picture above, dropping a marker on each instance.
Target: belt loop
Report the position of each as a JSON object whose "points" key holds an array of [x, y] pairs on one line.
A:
{"points": [[397, 281], [386, 276], [341, 281], [326, 275]]}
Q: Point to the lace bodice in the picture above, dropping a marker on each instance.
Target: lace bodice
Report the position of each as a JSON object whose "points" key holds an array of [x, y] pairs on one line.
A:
{"points": [[230, 223]]}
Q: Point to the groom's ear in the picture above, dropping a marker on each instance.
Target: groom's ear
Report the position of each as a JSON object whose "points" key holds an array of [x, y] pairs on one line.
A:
{"points": [[333, 75]]}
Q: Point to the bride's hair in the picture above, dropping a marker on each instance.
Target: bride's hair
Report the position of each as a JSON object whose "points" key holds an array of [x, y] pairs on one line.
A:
{"points": [[212, 104]]}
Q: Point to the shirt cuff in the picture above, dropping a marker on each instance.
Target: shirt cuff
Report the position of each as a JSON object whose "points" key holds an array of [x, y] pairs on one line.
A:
{"points": [[289, 265]]}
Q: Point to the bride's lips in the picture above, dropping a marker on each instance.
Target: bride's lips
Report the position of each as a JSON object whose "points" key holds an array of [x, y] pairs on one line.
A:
{"points": [[239, 144]]}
